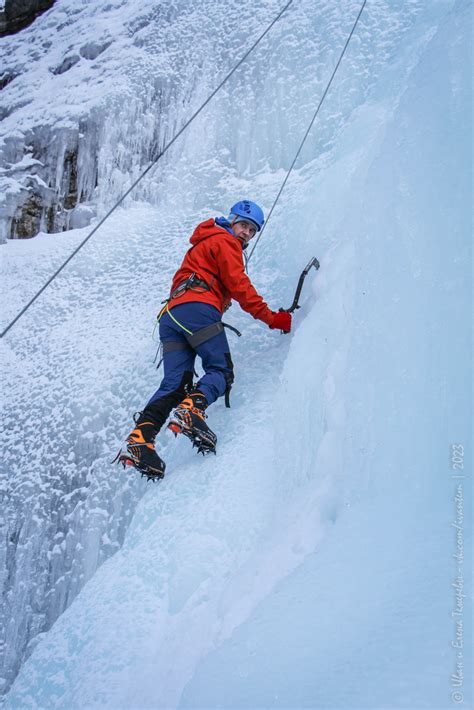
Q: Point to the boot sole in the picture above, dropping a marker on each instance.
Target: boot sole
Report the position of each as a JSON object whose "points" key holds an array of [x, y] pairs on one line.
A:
{"points": [[126, 460]]}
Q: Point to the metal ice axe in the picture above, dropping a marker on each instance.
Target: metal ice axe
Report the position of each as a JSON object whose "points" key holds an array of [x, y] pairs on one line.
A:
{"points": [[313, 262]]}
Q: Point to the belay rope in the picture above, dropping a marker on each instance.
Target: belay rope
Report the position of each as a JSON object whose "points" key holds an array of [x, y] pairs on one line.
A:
{"points": [[328, 86]]}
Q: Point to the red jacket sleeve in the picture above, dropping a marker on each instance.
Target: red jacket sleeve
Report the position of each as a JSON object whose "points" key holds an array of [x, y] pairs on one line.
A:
{"points": [[233, 276]]}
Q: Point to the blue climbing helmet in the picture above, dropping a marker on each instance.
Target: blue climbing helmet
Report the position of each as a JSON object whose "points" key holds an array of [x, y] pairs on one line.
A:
{"points": [[250, 211]]}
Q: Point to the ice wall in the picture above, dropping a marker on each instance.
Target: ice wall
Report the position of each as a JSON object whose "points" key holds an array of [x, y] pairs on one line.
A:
{"points": [[372, 617], [65, 409], [71, 364], [219, 537], [84, 114]]}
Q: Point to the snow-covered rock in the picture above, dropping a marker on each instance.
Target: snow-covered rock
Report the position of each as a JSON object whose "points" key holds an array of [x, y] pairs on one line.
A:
{"points": [[15, 15]]}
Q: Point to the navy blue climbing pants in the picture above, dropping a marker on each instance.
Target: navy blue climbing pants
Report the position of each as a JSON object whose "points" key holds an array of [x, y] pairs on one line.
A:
{"points": [[179, 363]]}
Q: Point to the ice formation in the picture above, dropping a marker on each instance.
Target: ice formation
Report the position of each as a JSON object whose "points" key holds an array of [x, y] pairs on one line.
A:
{"points": [[310, 562]]}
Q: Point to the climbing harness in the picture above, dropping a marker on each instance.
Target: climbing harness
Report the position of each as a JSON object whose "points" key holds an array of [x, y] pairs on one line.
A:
{"points": [[193, 282], [196, 338]]}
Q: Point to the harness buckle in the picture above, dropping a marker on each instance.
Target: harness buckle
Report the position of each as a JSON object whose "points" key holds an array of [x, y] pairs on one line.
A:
{"points": [[193, 282]]}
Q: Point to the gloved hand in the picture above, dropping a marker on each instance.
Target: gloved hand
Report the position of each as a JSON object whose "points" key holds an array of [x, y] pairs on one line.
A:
{"points": [[281, 321]]}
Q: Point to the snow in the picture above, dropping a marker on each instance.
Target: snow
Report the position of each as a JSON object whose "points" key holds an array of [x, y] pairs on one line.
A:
{"points": [[310, 563], [114, 109]]}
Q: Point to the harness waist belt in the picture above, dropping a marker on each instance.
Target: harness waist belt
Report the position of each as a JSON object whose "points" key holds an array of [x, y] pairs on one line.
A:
{"points": [[193, 282]]}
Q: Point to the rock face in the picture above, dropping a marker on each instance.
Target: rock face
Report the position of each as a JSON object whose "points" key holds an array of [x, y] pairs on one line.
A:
{"points": [[21, 13], [46, 187], [30, 218]]}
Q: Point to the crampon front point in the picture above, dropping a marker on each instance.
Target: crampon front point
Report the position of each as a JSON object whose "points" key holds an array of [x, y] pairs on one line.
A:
{"points": [[205, 442], [189, 418]]}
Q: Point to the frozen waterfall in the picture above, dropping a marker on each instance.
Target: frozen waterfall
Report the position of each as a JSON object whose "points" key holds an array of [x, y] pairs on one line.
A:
{"points": [[312, 562]]}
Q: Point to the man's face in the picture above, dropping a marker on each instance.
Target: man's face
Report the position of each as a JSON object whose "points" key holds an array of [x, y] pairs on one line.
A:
{"points": [[244, 230]]}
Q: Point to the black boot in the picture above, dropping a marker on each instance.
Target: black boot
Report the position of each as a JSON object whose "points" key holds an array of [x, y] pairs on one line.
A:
{"points": [[189, 419], [139, 451]]}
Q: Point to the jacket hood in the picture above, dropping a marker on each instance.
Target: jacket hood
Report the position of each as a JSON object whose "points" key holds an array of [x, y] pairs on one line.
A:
{"points": [[209, 228]]}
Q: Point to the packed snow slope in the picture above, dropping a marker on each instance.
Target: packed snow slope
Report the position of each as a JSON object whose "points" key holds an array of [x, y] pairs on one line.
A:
{"points": [[317, 560]]}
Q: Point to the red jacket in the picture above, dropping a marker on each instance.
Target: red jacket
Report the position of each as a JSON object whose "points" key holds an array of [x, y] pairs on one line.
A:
{"points": [[216, 258]]}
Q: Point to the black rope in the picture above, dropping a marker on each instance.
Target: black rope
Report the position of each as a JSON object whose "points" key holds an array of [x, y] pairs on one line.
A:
{"points": [[307, 132], [167, 146]]}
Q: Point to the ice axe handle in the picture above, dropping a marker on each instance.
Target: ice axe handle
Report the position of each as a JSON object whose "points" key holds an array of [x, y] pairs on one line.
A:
{"points": [[313, 262]]}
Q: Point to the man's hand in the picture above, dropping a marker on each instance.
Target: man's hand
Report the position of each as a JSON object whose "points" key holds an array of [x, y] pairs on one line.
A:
{"points": [[281, 321]]}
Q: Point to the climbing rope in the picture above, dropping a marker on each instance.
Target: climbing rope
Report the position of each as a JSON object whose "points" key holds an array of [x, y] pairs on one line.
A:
{"points": [[307, 131], [167, 146]]}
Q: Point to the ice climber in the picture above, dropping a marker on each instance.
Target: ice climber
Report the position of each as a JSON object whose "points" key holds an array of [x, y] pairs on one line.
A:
{"points": [[212, 273]]}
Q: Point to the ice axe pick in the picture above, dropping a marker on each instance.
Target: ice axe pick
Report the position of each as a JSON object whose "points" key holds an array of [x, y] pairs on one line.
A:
{"points": [[313, 262]]}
